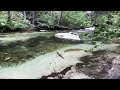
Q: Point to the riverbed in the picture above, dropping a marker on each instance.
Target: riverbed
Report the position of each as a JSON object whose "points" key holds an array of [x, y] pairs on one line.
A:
{"points": [[36, 56]]}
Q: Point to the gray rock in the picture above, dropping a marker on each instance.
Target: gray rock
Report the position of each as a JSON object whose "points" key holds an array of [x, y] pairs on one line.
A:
{"points": [[114, 72], [7, 58], [73, 74], [68, 36], [43, 30]]}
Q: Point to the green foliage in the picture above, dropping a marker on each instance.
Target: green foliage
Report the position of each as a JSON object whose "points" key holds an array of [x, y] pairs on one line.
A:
{"points": [[117, 34], [75, 19], [116, 19], [19, 24], [47, 19], [16, 23], [3, 20], [109, 25], [85, 34], [102, 20], [69, 18]]}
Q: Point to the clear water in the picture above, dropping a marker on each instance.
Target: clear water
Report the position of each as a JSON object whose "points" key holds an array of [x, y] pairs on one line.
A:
{"points": [[21, 51]]}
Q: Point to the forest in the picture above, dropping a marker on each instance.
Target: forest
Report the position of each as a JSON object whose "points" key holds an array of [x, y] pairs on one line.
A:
{"points": [[59, 44]]}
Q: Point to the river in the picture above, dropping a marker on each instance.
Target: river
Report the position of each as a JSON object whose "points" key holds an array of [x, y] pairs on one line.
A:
{"points": [[35, 55]]}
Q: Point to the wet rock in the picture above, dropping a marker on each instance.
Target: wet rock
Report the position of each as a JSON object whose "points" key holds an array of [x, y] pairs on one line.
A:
{"points": [[67, 73], [97, 65], [6, 53], [73, 74], [50, 78], [43, 30], [78, 76], [114, 72], [68, 36], [8, 58]]}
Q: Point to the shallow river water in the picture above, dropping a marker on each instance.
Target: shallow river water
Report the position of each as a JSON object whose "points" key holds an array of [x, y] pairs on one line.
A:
{"points": [[32, 55]]}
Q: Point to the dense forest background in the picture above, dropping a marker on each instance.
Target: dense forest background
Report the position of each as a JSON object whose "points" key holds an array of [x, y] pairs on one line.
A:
{"points": [[11, 21], [26, 19]]}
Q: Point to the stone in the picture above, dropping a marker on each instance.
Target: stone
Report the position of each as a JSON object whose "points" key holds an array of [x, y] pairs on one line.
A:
{"points": [[114, 72], [43, 30], [73, 74], [8, 58], [68, 36]]}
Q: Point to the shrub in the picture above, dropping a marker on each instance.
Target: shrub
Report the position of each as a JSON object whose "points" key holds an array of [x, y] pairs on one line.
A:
{"points": [[47, 19], [75, 19], [118, 34], [15, 23], [69, 19]]}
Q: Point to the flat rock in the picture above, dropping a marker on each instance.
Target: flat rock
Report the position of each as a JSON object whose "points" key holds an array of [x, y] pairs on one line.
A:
{"points": [[68, 36], [114, 72], [73, 74]]}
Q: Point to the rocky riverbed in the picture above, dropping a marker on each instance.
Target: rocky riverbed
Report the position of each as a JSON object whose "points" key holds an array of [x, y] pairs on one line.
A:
{"points": [[57, 61], [50, 63], [99, 65]]}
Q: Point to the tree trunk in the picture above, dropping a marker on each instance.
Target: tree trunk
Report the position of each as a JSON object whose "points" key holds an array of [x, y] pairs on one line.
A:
{"points": [[24, 15], [9, 17], [59, 18], [33, 17]]}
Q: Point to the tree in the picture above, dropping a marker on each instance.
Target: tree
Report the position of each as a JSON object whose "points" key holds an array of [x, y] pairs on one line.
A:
{"points": [[59, 17], [9, 17], [24, 15], [33, 17]]}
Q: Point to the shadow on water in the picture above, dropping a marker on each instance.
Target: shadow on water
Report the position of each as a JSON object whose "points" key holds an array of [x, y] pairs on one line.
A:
{"points": [[19, 52]]}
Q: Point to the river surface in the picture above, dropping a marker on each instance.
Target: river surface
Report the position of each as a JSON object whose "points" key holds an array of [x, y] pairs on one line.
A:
{"points": [[32, 55], [18, 48]]}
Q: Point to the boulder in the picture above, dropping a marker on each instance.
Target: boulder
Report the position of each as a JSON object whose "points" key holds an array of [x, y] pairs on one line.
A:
{"points": [[114, 72], [68, 36], [73, 74], [90, 29]]}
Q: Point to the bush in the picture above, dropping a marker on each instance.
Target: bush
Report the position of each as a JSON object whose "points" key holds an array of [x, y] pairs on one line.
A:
{"points": [[19, 24], [47, 19], [118, 34], [102, 20], [75, 19], [3, 20], [15, 23], [68, 19], [116, 19]]}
